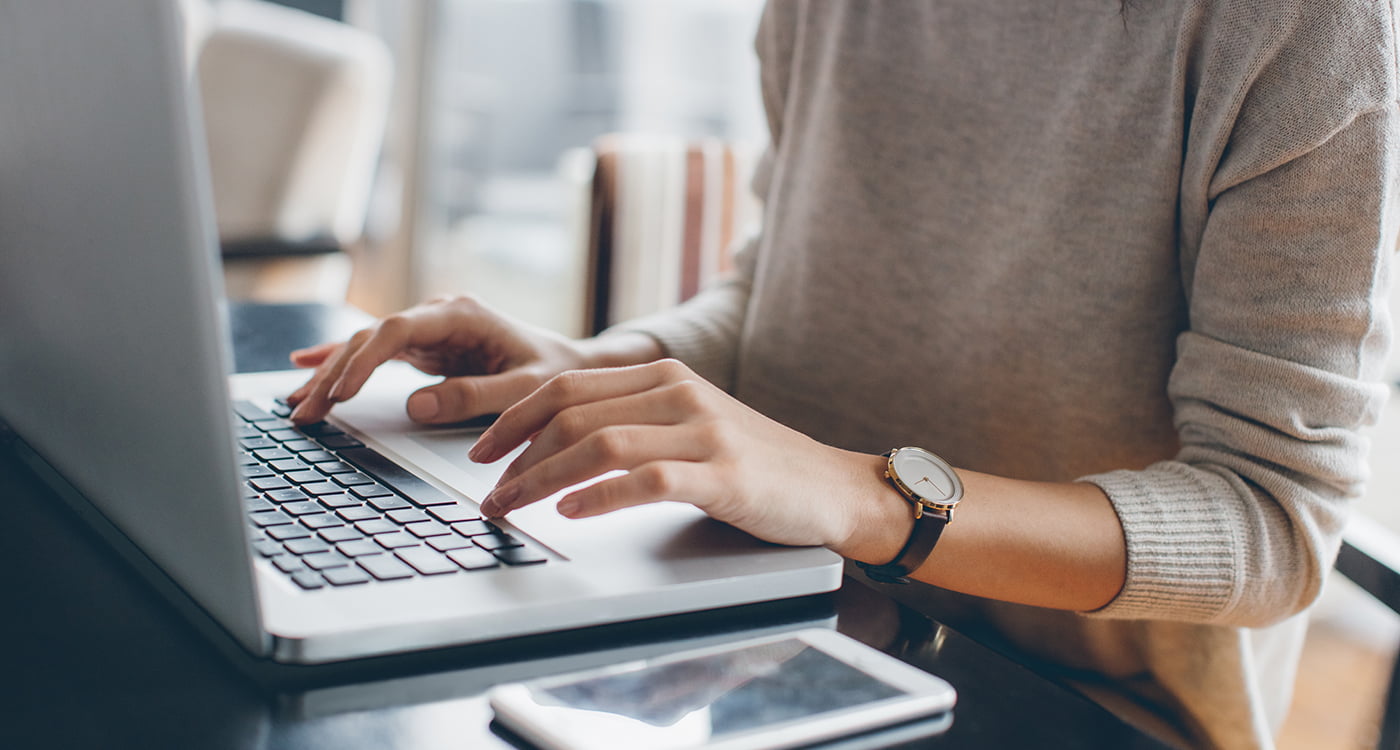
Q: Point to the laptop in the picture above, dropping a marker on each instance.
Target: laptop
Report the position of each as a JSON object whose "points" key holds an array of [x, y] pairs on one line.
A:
{"points": [[115, 376]]}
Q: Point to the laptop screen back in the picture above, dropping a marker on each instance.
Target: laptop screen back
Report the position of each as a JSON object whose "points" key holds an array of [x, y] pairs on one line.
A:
{"points": [[113, 352]]}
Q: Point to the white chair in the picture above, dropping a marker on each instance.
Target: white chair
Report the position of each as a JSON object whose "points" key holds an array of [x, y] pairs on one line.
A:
{"points": [[295, 107]]}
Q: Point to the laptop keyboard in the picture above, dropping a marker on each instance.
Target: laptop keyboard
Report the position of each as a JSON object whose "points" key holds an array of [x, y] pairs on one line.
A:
{"points": [[328, 511]]}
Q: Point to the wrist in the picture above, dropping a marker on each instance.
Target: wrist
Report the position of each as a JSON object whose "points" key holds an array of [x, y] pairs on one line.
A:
{"points": [[880, 519], [618, 350]]}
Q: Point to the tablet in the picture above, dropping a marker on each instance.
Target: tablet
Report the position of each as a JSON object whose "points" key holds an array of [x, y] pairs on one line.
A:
{"points": [[775, 692]]}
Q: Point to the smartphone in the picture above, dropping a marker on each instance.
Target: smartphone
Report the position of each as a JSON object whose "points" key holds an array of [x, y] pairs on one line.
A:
{"points": [[776, 692]]}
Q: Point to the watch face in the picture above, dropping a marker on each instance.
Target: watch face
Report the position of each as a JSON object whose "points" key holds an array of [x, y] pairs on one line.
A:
{"points": [[927, 475]]}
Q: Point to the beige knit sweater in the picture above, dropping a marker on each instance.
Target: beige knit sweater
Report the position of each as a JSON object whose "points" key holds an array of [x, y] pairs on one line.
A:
{"points": [[1051, 241]]}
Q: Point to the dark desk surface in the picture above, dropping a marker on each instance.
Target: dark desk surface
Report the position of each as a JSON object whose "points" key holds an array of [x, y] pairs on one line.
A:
{"points": [[94, 658]]}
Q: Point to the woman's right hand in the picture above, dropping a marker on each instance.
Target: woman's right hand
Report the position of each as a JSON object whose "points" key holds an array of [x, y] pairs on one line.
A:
{"points": [[488, 361]]}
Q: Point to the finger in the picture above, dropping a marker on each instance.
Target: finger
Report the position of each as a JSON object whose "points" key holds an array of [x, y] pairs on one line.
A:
{"points": [[618, 447], [300, 394], [534, 412], [312, 356], [579, 423], [316, 402], [459, 399], [658, 481]]}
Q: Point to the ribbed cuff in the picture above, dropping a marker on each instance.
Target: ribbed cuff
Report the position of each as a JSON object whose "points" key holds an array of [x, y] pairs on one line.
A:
{"points": [[703, 333], [1184, 560]]}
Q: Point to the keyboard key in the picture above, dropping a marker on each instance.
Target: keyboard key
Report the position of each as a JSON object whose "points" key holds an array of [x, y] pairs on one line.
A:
{"points": [[519, 556], [299, 446], [384, 567], [377, 526], [454, 513], [322, 457], [319, 429], [323, 560], [341, 534], [357, 513], [287, 496], [289, 465], [273, 423], [393, 475], [269, 483], [257, 443], [390, 502], [247, 459], [281, 409], [273, 454], [302, 508], [245, 430], [499, 540], [268, 548], [318, 521], [288, 564], [307, 546], [473, 528], [321, 488], [335, 442], [396, 540], [345, 576], [305, 477], [359, 548], [309, 580], [338, 501], [285, 533], [249, 411], [269, 518], [256, 471], [449, 543], [426, 561], [352, 479], [248, 493], [425, 529], [407, 515], [256, 504], [370, 490], [283, 436], [472, 558]]}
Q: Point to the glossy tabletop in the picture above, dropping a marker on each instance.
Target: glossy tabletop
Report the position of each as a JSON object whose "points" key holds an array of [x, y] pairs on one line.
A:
{"points": [[93, 657]]}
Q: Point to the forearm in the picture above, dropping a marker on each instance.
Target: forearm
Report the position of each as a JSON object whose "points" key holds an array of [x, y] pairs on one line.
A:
{"points": [[1057, 545]]}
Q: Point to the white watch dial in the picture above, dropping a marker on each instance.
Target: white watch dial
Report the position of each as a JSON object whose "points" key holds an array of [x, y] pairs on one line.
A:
{"points": [[926, 475]]}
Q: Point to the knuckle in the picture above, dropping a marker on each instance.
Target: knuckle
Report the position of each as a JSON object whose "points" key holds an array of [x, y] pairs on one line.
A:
{"points": [[672, 369], [394, 324], [688, 395], [610, 444], [570, 425], [565, 384], [656, 479], [464, 303]]}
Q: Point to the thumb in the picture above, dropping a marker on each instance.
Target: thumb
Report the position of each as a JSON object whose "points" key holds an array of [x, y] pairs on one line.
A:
{"points": [[462, 398]]}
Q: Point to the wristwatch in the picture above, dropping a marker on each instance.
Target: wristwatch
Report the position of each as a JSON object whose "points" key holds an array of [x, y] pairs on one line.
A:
{"points": [[933, 489]]}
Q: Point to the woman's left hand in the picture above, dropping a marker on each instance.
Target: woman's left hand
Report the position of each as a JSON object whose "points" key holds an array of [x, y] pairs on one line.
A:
{"points": [[679, 438]]}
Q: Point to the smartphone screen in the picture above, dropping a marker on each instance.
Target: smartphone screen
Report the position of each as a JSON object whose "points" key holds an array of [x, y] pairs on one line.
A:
{"points": [[708, 698], [730, 692]]}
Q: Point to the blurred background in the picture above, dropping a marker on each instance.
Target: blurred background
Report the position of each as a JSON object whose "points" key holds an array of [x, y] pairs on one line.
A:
{"points": [[482, 120]]}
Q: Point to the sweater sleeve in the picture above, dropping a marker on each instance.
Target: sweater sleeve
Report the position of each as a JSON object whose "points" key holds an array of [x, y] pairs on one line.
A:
{"points": [[1274, 381]]}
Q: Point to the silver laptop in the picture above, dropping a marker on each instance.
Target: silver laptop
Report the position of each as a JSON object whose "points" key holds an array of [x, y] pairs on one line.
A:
{"points": [[114, 371]]}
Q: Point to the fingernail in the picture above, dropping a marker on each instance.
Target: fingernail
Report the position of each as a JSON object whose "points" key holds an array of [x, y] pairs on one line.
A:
{"points": [[483, 450], [334, 395], [423, 406], [499, 501], [568, 506]]}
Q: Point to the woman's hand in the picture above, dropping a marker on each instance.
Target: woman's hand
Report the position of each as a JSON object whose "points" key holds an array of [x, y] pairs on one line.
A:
{"points": [[680, 438], [489, 361]]}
